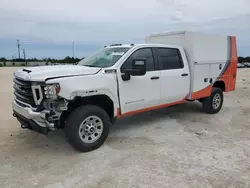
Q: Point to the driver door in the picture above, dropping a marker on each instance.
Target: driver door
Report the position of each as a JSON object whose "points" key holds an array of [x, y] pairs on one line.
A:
{"points": [[139, 93]]}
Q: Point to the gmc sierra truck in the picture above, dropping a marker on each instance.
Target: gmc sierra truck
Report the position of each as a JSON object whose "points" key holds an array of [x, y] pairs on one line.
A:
{"points": [[119, 80]]}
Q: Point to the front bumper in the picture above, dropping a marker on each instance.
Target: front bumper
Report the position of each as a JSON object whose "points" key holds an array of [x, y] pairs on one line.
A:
{"points": [[27, 115], [30, 124]]}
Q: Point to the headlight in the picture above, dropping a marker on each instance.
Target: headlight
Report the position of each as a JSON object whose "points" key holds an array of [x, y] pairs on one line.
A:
{"points": [[51, 91]]}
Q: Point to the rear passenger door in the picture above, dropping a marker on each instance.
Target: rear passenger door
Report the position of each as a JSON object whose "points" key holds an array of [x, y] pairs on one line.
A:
{"points": [[174, 75]]}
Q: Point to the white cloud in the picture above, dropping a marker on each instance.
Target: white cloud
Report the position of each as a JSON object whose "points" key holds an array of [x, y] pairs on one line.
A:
{"points": [[98, 21]]}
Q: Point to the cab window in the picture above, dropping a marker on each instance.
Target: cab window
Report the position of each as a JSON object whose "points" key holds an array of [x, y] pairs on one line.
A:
{"points": [[169, 58], [143, 53]]}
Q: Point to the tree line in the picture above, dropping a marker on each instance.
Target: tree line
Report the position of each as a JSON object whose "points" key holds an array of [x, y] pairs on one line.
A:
{"points": [[244, 59], [67, 59]]}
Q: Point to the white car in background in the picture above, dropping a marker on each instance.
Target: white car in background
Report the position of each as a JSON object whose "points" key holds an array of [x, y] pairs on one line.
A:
{"points": [[247, 64], [241, 65]]}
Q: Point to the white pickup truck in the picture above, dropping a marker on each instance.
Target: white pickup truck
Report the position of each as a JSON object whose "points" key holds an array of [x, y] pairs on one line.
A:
{"points": [[119, 80]]}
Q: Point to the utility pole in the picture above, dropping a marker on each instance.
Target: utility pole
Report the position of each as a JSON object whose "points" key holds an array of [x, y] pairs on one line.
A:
{"points": [[18, 47], [73, 50], [24, 56], [13, 60]]}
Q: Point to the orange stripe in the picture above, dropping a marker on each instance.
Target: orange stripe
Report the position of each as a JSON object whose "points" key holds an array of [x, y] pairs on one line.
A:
{"points": [[118, 112], [119, 115], [229, 76], [234, 62], [202, 93]]}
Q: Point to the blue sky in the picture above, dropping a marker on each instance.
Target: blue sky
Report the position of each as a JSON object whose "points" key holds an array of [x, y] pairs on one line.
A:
{"points": [[47, 28]]}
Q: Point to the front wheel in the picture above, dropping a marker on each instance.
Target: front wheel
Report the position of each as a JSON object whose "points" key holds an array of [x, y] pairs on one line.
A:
{"points": [[87, 128], [213, 103]]}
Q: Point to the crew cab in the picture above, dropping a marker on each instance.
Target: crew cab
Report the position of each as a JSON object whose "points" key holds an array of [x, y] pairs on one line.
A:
{"points": [[118, 80]]}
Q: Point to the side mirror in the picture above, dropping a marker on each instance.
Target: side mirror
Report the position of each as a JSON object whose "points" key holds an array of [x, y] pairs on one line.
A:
{"points": [[138, 68]]}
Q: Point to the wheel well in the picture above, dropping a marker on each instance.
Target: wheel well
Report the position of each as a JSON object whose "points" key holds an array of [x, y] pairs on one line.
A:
{"points": [[220, 84], [102, 101]]}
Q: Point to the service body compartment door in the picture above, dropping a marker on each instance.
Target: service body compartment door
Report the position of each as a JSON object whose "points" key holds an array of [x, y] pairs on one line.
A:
{"points": [[201, 81]]}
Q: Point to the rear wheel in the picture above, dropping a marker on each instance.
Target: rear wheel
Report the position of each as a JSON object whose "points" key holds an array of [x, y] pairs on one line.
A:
{"points": [[214, 102], [87, 128]]}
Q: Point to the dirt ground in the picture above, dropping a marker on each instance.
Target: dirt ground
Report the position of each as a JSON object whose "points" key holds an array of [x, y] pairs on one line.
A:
{"points": [[175, 147]]}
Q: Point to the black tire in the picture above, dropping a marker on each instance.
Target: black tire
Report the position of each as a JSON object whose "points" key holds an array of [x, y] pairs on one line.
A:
{"points": [[74, 121], [208, 105]]}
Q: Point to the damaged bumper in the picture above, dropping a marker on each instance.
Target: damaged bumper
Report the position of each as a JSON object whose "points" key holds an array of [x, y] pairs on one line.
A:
{"points": [[32, 120]]}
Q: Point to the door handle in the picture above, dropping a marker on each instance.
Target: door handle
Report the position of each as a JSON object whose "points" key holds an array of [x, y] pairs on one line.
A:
{"points": [[184, 74], [155, 78]]}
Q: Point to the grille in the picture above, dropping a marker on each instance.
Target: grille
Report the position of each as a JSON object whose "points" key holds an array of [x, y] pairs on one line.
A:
{"points": [[23, 92]]}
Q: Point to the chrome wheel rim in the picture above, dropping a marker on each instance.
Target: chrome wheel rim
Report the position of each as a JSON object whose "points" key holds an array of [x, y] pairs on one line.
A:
{"points": [[216, 101], [91, 129]]}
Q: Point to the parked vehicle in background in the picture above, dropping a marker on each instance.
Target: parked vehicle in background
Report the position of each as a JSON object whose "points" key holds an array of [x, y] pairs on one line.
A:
{"points": [[121, 80], [241, 65], [247, 64]]}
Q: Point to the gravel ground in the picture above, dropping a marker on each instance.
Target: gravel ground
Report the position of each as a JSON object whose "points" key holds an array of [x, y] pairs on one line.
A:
{"points": [[175, 147]]}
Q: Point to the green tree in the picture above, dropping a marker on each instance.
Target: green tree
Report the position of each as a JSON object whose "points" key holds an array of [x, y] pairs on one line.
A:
{"points": [[3, 59], [241, 59]]}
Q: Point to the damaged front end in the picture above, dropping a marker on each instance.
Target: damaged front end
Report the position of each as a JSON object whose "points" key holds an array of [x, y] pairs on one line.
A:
{"points": [[37, 105]]}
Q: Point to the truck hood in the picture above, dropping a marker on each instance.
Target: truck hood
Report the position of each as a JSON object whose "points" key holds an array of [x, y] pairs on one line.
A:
{"points": [[45, 72]]}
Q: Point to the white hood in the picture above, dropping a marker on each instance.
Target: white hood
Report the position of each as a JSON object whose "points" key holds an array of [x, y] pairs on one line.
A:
{"points": [[44, 72]]}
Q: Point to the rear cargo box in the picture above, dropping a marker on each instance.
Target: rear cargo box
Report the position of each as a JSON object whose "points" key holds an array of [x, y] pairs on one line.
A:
{"points": [[210, 57]]}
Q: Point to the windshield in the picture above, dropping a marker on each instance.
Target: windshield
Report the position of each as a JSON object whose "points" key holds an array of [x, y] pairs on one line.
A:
{"points": [[105, 57]]}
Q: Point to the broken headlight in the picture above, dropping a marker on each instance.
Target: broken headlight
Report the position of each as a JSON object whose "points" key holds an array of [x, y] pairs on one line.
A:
{"points": [[51, 91]]}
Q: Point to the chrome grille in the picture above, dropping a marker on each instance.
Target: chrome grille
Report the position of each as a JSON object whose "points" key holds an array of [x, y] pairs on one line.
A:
{"points": [[23, 92]]}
